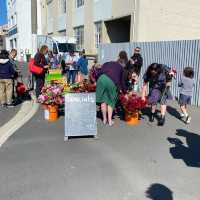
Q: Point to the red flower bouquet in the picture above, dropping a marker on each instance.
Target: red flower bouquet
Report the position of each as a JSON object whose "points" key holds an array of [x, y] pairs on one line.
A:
{"points": [[132, 102]]}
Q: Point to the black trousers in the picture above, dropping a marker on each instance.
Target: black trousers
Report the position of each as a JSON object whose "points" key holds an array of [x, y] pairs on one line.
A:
{"points": [[39, 84]]}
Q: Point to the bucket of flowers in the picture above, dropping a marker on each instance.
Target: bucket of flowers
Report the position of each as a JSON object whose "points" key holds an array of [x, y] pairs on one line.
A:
{"points": [[51, 97], [83, 86], [132, 103]]}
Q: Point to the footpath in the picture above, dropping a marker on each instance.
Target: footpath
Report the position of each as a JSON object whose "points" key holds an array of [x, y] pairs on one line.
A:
{"points": [[11, 119], [7, 113], [125, 163]]}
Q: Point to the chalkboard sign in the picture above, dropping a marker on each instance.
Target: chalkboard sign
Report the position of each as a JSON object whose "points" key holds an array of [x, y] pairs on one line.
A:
{"points": [[80, 114]]}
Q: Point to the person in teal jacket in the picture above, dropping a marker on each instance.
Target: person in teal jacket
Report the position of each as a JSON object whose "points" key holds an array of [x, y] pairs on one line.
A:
{"points": [[83, 66]]}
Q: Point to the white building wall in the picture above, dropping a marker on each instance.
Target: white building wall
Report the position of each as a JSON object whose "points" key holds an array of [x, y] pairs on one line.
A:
{"points": [[21, 9], [168, 20], [7, 43], [12, 24], [102, 10], [61, 25], [24, 26], [50, 17], [39, 17], [78, 16]]}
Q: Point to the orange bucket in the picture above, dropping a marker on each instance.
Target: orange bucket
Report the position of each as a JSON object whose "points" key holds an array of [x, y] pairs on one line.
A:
{"points": [[53, 113], [132, 118]]}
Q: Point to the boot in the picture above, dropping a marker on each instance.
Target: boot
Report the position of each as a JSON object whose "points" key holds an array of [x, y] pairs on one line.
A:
{"points": [[152, 117], [161, 121]]}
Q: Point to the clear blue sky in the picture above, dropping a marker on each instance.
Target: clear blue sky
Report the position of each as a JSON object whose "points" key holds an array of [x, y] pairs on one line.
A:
{"points": [[3, 12]]}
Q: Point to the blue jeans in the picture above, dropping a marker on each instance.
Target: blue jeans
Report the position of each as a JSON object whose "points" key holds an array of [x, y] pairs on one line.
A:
{"points": [[71, 76]]}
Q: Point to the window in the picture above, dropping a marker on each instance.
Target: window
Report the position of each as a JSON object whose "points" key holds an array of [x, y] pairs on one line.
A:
{"points": [[12, 20], [63, 6], [1, 42], [15, 43], [66, 47], [15, 18], [79, 35], [79, 3], [55, 51], [11, 44], [98, 34]]}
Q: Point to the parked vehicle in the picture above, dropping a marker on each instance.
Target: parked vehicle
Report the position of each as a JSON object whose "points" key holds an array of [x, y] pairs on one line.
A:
{"points": [[60, 45]]}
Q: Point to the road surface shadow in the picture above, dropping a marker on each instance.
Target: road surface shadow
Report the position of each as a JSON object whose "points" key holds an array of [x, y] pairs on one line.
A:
{"points": [[189, 152], [159, 192], [173, 112], [20, 99]]}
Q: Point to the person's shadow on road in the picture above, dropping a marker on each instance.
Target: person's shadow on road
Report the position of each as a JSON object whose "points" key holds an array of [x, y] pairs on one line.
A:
{"points": [[159, 192], [189, 153], [173, 112]]}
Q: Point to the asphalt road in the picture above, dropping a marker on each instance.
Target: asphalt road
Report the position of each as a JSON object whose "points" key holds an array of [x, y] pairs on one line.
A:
{"points": [[125, 163], [7, 113]]}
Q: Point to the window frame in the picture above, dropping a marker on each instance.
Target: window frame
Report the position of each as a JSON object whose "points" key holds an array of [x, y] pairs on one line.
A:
{"points": [[98, 33], [79, 3], [79, 35], [63, 6]]}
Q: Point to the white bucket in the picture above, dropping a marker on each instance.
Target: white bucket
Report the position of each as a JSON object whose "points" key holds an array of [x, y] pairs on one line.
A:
{"points": [[46, 114]]}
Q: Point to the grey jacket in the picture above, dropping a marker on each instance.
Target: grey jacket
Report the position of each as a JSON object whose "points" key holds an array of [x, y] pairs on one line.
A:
{"points": [[186, 86]]}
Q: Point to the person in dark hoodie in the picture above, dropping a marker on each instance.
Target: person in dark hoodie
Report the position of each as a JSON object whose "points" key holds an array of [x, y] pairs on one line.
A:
{"points": [[12, 56], [137, 60], [7, 73]]}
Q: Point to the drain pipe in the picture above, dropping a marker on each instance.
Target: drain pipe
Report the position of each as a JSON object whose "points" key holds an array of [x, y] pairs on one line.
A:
{"points": [[135, 20]]}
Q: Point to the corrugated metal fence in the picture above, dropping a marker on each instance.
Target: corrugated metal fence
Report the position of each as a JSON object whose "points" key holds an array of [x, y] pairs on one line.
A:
{"points": [[172, 53]]}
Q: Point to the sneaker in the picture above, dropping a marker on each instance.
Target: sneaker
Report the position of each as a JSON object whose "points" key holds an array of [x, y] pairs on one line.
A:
{"points": [[3, 105], [104, 122], [182, 115], [188, 119], [161, 121], [111, 123], [10, 105]]}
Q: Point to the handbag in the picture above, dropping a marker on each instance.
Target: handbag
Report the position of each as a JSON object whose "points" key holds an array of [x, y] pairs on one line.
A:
{"points": [[34, 68]]}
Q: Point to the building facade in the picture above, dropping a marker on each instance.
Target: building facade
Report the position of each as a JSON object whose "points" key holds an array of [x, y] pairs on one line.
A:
{"points": [[3, 34], [53, 13], [22, 25], [100, 21], [91, 22], [167, 20]]}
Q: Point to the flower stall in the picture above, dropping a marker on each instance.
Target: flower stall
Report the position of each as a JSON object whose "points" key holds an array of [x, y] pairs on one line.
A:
{"points": [[53, 93], [51, 97]]}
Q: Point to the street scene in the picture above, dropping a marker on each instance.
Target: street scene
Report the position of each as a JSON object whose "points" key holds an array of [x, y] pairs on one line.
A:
{"points": [[99, 100]]}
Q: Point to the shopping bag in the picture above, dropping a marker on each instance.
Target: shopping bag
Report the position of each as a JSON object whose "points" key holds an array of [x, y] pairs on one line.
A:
{"points": [[34, 68]]}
